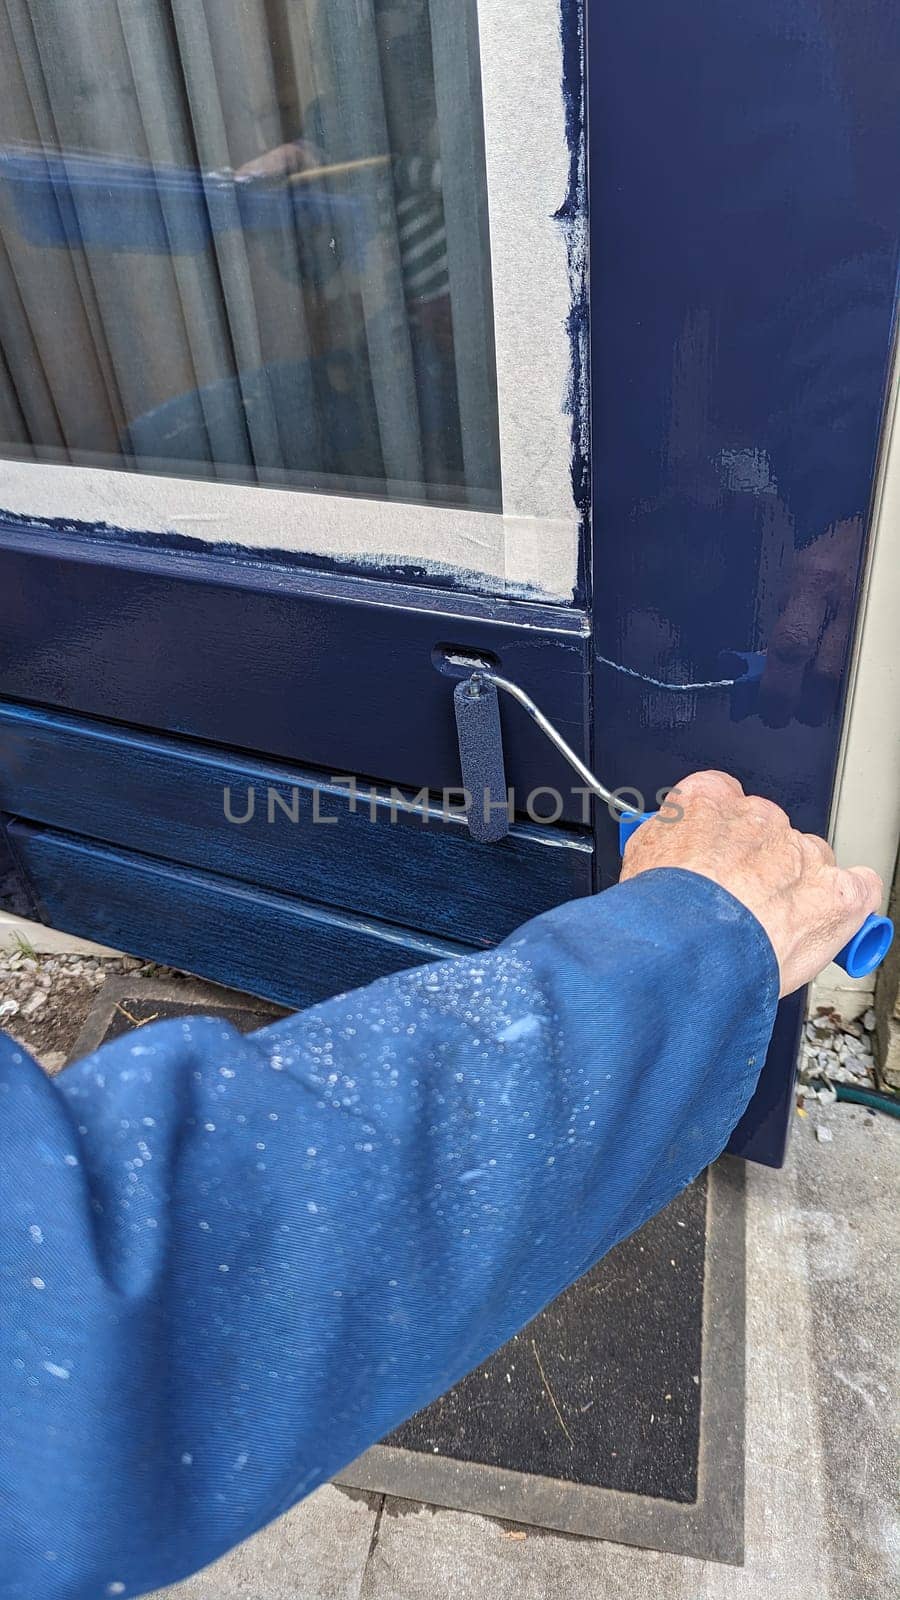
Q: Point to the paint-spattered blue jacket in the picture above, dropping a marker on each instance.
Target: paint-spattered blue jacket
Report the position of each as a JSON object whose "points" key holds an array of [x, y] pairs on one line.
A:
{"points": [[231, 1264]]}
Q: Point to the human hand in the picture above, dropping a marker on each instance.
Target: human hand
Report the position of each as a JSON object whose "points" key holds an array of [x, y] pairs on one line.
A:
{"points": [[808, 906], [298, 156]]}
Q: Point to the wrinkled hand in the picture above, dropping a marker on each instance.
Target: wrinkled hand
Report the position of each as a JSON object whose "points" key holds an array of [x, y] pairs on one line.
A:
{"points": [[808, 906], [298, 156]]}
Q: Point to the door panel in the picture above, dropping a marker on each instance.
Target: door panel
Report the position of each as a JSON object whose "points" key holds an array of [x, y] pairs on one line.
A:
{"points": [[275, 946], [292, 831], [335, 674]]}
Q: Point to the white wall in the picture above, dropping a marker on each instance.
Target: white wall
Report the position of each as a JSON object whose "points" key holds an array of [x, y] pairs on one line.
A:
{"points": [[865, 828]]}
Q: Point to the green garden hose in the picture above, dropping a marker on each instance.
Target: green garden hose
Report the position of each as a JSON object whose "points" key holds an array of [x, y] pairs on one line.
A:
{"points": [[868, 1097]]}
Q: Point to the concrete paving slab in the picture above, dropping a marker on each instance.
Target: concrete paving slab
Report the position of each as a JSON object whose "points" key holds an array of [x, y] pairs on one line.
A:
{"points": [[848, 1195], [318, 1551]]}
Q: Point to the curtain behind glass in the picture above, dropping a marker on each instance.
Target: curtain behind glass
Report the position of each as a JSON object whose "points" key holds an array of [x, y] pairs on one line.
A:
{"points": [[303, 351]]}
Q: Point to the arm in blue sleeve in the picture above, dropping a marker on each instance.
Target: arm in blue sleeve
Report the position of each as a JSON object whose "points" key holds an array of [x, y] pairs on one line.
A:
{"points": [[234, 1263]]}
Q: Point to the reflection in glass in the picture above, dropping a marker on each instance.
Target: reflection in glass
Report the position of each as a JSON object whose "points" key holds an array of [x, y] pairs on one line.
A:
{"points": [[247, 240]]}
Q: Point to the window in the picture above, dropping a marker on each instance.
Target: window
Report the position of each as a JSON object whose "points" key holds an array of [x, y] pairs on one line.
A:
{"points": [[296, 276], [247, 241]]}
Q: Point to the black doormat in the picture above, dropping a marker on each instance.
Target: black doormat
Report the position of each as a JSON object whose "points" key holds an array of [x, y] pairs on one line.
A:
{"points": [[618, 1413], [127, 1003], [603, 1387]]}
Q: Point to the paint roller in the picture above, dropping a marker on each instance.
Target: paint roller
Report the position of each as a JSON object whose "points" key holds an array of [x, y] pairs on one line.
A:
{"points": [[477, 707]]}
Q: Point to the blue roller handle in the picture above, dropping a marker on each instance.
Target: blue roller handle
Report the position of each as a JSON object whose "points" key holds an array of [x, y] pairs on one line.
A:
{"points": [[865, 951]]}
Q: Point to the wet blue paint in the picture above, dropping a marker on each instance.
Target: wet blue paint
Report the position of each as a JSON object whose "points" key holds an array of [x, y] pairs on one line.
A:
{"points": [[572, 218], [329, 671], [295, 833], [744, 164], [434, 574]]}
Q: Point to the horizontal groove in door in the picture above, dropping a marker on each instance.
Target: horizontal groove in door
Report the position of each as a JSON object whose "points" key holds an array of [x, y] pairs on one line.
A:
{"points": [[165, 798], [336, 674], [247, 938]]}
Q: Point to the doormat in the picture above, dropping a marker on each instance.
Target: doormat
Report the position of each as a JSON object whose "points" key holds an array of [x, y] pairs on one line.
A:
{"points": [[618, 1413], [127, 1003]]}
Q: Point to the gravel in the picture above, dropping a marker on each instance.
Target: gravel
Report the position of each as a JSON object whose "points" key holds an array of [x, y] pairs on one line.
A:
{"points": [[834, 1052], [44, 999]]}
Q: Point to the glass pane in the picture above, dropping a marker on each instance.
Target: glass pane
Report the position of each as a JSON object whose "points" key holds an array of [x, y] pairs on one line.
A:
{"points": [[247, 240]]}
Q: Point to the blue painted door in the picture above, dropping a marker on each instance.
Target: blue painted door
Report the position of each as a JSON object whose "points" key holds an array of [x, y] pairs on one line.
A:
{"points": [[174, 712]]}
